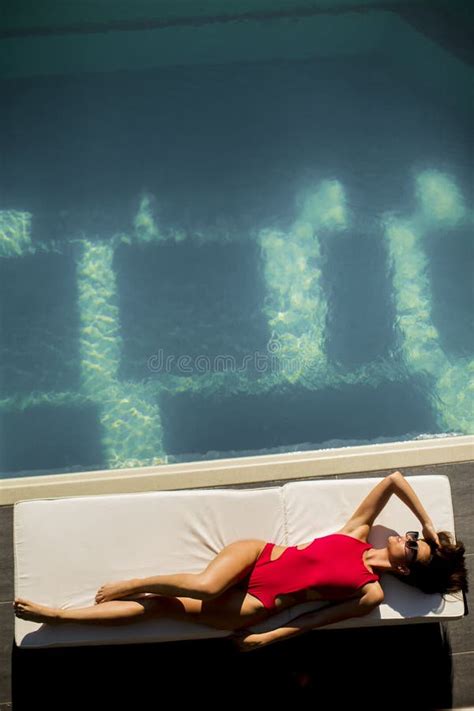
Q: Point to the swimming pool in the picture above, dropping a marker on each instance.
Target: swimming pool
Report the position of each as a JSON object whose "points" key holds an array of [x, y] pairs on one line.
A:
{"points": [[251, 237]]}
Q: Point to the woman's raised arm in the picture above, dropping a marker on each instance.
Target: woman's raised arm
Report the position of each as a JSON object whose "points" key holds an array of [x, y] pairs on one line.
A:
{"points": [[376, 500], [406, 493]]}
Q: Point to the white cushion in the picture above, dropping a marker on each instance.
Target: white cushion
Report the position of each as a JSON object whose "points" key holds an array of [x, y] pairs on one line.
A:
{"points": [[65, 549]]}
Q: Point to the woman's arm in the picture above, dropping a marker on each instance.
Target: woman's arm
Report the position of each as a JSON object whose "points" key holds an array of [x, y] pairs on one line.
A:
{"points": [[309, 621], [406, 493], [376, 500]]}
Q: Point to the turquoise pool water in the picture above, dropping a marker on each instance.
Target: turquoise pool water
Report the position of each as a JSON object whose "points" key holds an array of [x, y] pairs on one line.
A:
{"points": [[261, 247]]}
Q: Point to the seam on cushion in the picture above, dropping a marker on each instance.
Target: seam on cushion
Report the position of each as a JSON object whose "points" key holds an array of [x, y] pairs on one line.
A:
{"points": [[285, 520]]}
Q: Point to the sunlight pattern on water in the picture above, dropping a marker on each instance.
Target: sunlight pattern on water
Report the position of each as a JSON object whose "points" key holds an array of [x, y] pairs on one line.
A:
{"points": [[440, 204], [15, 233], [295, 307], [130, 421]]}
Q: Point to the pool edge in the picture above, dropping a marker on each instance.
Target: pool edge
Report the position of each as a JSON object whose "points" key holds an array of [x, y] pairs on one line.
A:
{"points": [[242, 470]]}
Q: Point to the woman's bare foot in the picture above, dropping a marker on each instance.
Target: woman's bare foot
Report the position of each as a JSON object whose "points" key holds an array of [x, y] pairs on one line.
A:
{"points": [[27, 610], [114, 591]]}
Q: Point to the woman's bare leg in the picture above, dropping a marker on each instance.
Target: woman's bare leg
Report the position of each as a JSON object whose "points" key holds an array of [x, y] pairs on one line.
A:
{"points": [[114, 612], [233, 610], [227, 567], [188, 584]]}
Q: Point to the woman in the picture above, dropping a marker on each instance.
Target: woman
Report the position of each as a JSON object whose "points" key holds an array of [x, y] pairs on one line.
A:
{"points": [[245, 585]]}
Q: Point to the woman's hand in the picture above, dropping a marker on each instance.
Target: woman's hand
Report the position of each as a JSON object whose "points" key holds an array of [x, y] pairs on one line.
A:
{"points": [[246, 641], [429, 533]]}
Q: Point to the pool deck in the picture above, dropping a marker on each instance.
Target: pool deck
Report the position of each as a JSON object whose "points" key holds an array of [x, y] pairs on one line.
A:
{"points": [[331, 668]]}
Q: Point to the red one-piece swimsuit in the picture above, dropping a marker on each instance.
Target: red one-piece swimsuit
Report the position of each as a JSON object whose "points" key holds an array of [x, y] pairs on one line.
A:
{"points": [[333, 564]]}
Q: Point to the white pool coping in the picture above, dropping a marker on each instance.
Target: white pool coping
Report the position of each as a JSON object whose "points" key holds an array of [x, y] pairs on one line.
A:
{"points": [[243, 470]]}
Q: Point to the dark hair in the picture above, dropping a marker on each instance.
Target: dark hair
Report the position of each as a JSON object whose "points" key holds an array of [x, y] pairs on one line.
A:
{"points": [[445, 572]]}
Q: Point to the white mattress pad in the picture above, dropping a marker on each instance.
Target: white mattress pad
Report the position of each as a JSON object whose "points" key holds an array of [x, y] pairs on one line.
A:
{"points": [[65, 549]]}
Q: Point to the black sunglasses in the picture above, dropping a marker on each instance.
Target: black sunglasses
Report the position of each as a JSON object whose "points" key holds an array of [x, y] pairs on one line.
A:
{"points": [[411, 546]]}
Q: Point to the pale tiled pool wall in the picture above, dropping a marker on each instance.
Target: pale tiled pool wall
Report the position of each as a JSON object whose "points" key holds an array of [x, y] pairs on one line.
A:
{"points": [[450, 646]]}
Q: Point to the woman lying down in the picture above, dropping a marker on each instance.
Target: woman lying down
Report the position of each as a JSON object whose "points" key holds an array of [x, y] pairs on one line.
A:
{"points": [[251, 580]]}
